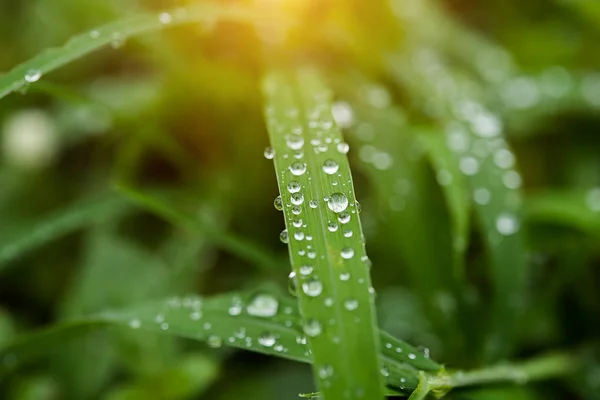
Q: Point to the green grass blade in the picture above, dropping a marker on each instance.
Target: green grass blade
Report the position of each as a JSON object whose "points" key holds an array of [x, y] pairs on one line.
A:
{"points": [[388, 146], [334, 293], [58, 224], [116, 32], [475, 136], [259, 321], [244, 249], [455, 188], [572, 209]]}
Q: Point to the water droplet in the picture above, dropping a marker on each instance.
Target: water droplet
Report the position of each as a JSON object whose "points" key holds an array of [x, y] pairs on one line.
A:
{"points": [[263, 305], [297, 199], [299, 235], [347, 233], [294, 142], [313, 203], [347, 253], [164, 326], [507, 224], [332, 227], [33, 75], [298, 168], [412, 356], [293, 284], [236, 306], [481, 196], [296, 210], [135, 323], [312, 287], [338, 202], [165, 18], [344, 218], [215, 341], [328, 302], [312, 328], [283, 236], [312, 254], [269, 153], [469, 166], [344, 276], [330, 167], [294, 187], [325, 371], [384, 371], [297, 223], [343, 147], [267, 339], [351, 304], [94, 34], [278, 203], [305, 270]]}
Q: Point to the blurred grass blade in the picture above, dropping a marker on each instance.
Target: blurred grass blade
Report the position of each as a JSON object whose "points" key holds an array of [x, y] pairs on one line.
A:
{"points": [[325, 236], [571, 209], [60, 223], [260, 321], [455, 188], [244, 249], [411, 206], [31, 71], [475, 136]]}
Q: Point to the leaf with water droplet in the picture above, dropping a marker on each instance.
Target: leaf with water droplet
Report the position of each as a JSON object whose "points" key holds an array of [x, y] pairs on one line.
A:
{"points": [[115, 34], [338, 338]]}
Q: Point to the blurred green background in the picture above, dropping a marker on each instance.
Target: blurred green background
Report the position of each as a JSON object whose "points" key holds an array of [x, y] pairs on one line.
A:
{"points": [[179, 112]]}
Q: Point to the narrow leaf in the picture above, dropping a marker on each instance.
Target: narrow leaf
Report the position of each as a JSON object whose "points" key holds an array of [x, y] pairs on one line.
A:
{"points": [[259, 321], [31, 71], [59, 224], [244, 249], [325, 236]]}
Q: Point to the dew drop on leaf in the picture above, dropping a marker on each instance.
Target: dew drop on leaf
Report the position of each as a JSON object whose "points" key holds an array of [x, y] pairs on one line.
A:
{"points": [[33, 75], [337, 202], [293, 284], [305, 270], [263, 305], [294, 186], [269, 153], [312, 287], [297, 199], [283, 236], [343, 147], [267, 339], [347, 253], [297, 168], [330, 167], [215, 341], [312, 328], [351, 304], [344, 218], [278, 203]]}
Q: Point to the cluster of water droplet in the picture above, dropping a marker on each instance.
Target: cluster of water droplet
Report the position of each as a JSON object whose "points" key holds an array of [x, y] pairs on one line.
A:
{"points": [[262, 305]]}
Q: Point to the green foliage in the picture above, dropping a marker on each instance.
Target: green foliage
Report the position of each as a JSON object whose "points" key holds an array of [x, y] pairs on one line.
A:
{"points": [[467, 131]]}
